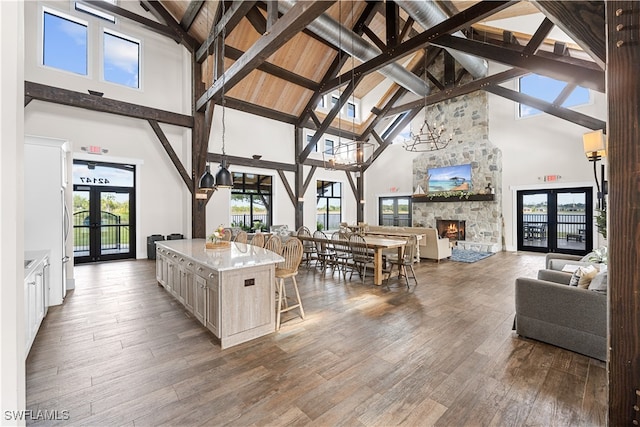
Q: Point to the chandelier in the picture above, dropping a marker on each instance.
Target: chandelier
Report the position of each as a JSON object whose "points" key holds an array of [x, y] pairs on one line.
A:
{"points": [[349, 154], [428, 138]]}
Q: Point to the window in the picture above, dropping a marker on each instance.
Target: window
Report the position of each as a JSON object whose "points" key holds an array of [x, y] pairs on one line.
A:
{"points": [[64, 43], [315, 146], [328, 147], [251, 201], [334, 100], [82, 7], [329, 205], [121, 59], [549, 89], [321, 102], [351, 110], [403, 135]]}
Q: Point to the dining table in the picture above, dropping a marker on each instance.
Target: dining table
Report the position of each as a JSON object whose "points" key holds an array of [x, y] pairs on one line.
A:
{"points": [[378, 244]]}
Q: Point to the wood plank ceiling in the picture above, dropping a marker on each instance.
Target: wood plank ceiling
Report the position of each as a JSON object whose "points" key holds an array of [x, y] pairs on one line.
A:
{"points": [[283, 85]]}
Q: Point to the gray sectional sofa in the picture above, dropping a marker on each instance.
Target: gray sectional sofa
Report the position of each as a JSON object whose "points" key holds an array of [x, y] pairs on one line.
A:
{"points": [[551, 311]]}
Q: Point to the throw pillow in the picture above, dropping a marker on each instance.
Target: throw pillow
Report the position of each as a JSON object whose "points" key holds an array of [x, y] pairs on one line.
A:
{"points": [[587, 257], [583, 276], [599, 283]]}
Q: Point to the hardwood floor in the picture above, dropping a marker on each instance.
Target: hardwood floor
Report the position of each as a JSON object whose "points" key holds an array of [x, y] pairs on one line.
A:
{"points": [[122, 351]]}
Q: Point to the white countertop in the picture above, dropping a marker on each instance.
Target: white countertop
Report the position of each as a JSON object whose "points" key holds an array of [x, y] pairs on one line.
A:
{"points": [[237, 255], [37, 257]]}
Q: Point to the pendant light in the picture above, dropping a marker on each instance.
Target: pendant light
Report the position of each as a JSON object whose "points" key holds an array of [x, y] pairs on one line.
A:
{"points": [[223, 176]]}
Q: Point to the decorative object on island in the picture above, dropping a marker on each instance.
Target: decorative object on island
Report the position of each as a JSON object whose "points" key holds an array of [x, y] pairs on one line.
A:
{"points": [[428, 138], [595, 148], [223, 177], [216, 239]]}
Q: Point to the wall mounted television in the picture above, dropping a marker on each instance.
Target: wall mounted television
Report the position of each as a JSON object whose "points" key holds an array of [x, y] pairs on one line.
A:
{"points": [[449, 178]]}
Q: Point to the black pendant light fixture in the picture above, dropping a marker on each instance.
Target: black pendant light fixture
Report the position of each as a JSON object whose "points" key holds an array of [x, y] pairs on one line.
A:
{"points": [[223, 177], [207, 181]]}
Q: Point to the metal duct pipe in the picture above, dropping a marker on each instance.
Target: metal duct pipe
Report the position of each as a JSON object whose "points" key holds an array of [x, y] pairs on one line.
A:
{"points": [[332, 31], [427, 14]]}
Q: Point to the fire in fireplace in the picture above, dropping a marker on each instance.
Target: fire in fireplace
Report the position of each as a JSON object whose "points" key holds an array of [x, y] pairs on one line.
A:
{"points": [[453, 229]]}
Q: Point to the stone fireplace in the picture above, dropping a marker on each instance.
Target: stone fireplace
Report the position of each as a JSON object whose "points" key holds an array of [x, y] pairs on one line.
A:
{"points": [[481, 219], [452, 229]]}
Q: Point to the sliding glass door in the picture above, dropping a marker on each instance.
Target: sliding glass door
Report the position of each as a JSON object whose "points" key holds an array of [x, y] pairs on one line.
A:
{"points": [[555, 220]]}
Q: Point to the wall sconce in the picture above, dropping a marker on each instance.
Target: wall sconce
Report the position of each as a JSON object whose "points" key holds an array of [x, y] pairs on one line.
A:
{"points": [[595, 148]]}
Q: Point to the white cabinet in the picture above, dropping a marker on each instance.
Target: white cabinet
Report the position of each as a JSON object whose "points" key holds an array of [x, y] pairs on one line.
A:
{"points": [[35, 308]]}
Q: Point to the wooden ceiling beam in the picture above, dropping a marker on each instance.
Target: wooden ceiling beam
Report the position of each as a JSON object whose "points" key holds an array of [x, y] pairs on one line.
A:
{"points": [[538, 37], [188, 41], [335, 110], [363, 20], [105, 105], [583, 21], [547, 107], [274, 70], [460, 90], [231, 18], [172, 154], [250, 162], [392, 14], [149, 24], [561, 68], [190, 14], [291, 23], [473, 14]]}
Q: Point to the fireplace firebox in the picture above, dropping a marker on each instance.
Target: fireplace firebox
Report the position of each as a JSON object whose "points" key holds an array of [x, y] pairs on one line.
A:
{"points": [[453, 229]]}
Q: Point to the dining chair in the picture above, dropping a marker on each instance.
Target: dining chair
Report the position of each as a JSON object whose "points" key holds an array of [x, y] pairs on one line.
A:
{"points": [[241, 237], [292, 253], [324, 251], [344, 257], [274, 244], [362, 256], [404, 263], [227, 234], [309, 248], [258, 240]]}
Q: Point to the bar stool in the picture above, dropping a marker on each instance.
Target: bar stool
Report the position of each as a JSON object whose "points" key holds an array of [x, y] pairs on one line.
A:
{"points": [[241, 237], [292, 253], [274, 244], [258, 240]]}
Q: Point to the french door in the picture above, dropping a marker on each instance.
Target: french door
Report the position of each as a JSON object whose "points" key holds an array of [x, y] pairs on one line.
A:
{"points": [[103, 215], [558, 220], [395, 211]]}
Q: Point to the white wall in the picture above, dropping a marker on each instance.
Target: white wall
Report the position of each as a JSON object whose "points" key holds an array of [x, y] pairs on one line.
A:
{"points": [[536, 146], [163, 201], [12, 337]]}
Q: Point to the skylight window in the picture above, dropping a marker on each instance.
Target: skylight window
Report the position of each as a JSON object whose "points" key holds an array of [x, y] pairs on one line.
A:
{"points": [[82, 7], [549, 89], [64, 43]]}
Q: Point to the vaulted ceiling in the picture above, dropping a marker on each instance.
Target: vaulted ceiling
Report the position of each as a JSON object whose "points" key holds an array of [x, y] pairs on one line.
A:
{"points": [[281, 57]]}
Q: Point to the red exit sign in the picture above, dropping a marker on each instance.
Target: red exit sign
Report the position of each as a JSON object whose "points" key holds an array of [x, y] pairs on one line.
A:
{"points": [[551, 178]]}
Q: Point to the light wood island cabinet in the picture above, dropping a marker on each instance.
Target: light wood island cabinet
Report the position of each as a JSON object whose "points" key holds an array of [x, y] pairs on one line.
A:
{"points": [[230, 291]]}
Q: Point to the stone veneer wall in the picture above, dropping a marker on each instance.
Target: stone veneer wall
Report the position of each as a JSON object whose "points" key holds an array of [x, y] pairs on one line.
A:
{"points": [[467, 118]]}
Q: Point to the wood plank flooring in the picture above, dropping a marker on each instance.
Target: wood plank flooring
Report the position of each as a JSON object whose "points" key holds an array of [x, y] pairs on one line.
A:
{"points": [[122, 351]]}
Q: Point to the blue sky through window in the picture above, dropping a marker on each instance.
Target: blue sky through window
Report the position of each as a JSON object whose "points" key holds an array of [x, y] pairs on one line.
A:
{"points": [[65, 44], [121, 60], [548, 89]]}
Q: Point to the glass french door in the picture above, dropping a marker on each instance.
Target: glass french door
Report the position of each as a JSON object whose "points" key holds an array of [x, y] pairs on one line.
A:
{"points": [[558, 220], [395, 211], [103, 216]]}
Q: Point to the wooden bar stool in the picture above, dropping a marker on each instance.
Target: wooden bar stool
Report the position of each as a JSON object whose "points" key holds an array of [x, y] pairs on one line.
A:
{"points": [[292, 253]]}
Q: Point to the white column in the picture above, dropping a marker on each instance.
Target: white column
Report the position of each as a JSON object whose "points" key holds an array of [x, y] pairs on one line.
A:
{"points": [[12, 337]]}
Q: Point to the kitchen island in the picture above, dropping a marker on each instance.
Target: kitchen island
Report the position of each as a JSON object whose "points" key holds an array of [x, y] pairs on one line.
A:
{"points": [[231, 290]]}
